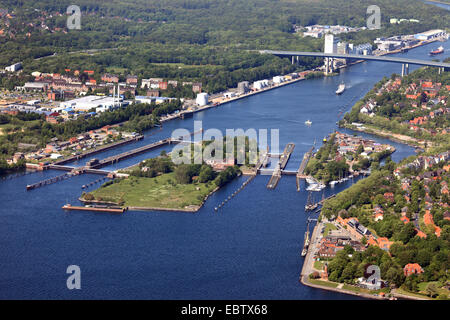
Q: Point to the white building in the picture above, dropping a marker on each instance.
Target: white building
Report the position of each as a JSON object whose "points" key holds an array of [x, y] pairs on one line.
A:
{"points": [[99, 103], [260, 84], [14, 67], [278, 79], [331, 43], [229, 95], [202, 99], [431, 34]]}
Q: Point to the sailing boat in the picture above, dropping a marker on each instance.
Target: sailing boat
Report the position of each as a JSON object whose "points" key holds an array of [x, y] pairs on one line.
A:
{"points": [[306, 241], [310, 204]]}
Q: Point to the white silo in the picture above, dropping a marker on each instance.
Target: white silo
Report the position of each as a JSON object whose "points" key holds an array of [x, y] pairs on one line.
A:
{"points": [[202, 99]]}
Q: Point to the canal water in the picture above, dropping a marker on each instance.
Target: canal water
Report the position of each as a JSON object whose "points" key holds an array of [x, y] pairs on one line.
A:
{"points": [[249, 249]]}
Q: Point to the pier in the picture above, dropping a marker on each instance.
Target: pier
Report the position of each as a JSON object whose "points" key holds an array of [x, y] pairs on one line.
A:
{"points": [[51, 180], [89, 153], [128, 154], [303, 164], [95, 208], [134, 152], [284, 158]]}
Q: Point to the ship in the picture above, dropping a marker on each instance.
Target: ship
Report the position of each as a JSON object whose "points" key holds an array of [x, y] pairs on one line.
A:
{"points": [[308, 122], [310, 205], [341, 88], [306, 243], [437, 51]]}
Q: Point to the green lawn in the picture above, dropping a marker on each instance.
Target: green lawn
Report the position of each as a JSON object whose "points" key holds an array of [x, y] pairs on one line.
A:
{"points": [[159, 192], [423, 288], [324, 283], [318, 265], [328, 228]]}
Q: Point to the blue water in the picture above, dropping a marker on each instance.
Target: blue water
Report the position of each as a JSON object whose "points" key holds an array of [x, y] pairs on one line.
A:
{"points": [[250, 249]]}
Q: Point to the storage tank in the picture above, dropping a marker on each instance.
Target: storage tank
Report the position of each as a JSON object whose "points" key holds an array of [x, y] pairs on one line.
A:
{"points": [[202, 99]]}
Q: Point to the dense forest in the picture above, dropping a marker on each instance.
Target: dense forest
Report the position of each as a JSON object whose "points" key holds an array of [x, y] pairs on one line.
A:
{"points": [[205, 40]]}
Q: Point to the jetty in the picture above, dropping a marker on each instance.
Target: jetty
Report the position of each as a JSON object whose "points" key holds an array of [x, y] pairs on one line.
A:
{"points": [[97, 164], [98, 150], [96, 208], [303, 164], [52, 180], [284, 158]]}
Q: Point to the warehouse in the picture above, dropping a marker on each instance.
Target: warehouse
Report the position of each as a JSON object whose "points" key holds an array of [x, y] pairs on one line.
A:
{"points": [[99, 103]]}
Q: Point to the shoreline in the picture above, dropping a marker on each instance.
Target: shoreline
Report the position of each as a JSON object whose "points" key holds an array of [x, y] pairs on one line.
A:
{"points": [[308, 267], [385, 134]]}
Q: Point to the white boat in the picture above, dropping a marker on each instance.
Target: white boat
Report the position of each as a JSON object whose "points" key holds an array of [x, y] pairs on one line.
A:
{"points": [[310, 181], [341, 88], [332, 183], [308, 122]]}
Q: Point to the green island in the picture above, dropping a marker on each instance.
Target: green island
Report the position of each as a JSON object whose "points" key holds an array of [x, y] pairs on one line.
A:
{"points": [[398, 218], [160, 184]]}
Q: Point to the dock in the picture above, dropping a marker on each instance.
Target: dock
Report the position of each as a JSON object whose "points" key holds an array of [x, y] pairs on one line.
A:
{"points": [[303, 164], [95, 208], [284, 158], [134, 152], [51, 180], [101, 149], [119, 157]]}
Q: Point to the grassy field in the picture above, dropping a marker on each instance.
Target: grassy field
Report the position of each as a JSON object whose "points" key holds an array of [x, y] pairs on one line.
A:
{"points": [[319, 264], [324, 283], [328, 228], [158, 192], [423, 288]]}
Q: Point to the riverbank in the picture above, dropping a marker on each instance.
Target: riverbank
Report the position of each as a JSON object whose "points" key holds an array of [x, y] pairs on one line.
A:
{"points": [[308, 268], [407, 140], [232, 99]]}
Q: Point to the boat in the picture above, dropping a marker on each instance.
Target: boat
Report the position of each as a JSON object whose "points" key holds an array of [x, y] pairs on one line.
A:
{"points": [[341, 88], [98, 208], [310, 205], [437, 51], [308, 122], [306, 243], [304, 251]]}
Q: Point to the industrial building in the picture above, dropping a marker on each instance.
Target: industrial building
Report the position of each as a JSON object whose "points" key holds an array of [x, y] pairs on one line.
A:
{"points": [[14, 67], [243, 87], [260, 84], [99, 103], [202, 99], [431, 34]]}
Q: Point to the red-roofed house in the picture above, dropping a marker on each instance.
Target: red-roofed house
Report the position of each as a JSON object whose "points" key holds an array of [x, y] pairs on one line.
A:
{"points": [[412, 268], [404, 219]]}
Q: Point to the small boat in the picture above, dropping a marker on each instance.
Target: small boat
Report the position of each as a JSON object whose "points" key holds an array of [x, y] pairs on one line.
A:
{"points": [[308, 122], [341, 88], [304, 252], [437, 51]]}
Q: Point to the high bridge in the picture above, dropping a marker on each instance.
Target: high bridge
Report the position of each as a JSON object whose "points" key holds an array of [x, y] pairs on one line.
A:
{"points": [[404, 61]]}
